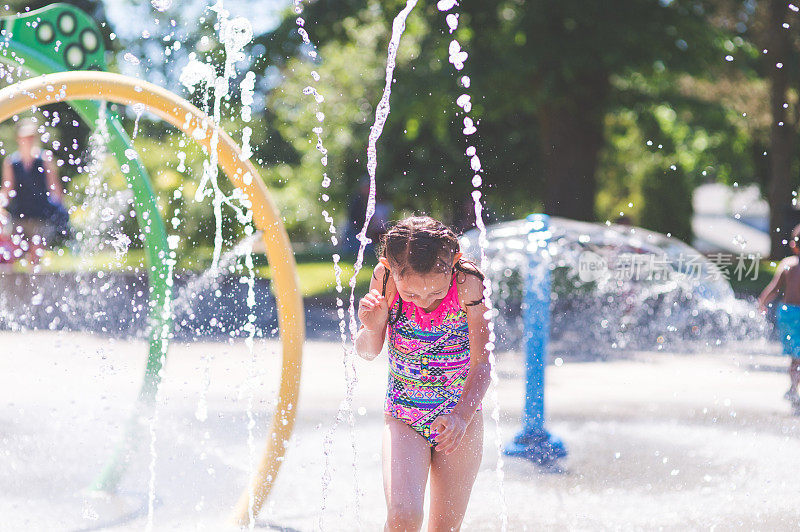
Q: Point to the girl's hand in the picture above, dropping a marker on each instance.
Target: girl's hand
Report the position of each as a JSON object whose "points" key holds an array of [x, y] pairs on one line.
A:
{"points": [[450, 428], [373, 311]]}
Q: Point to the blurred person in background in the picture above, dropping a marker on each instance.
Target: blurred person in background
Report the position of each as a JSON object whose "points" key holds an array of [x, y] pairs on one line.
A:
{"points": [[31, 192]]}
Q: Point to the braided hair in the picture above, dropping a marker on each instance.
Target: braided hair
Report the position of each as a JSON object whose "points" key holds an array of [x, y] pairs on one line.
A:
{"points": [[424, 245]]}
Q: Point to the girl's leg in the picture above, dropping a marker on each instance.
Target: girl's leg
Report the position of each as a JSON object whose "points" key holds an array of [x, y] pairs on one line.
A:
{"points": [[794, 374], [452, 477], [406, 461]]}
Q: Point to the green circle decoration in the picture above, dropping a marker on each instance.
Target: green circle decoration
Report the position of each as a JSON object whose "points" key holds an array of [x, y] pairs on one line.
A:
{"points": [[74, 56], [45, 33], [67, 23], [89, 40]]}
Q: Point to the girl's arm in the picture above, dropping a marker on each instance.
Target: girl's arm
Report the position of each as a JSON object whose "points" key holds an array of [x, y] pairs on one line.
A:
{"points": [[373, 311], [771, 290], [478, 378]]}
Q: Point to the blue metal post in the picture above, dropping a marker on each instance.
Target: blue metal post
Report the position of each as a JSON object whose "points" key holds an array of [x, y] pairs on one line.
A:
{"points": [[533, 441]]}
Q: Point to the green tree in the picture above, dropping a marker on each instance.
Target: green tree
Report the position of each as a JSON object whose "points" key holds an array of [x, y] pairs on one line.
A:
{"points": [[667, 200], [770, 26], [543, 80], [782, 72]]}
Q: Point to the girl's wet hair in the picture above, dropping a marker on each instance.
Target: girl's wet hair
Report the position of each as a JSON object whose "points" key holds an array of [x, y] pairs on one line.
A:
{"points": [[424, 245]]}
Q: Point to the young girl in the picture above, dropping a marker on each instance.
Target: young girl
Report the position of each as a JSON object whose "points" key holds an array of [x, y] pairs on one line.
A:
{"points": [[430, 301]]}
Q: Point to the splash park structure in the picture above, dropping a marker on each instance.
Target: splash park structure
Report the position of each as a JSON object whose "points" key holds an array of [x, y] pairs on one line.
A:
{"points": [[73, 72], [30, 43], [687, 465]]}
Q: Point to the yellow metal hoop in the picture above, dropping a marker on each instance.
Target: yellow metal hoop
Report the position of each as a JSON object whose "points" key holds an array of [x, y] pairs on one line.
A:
{"points": [[94, 85]]}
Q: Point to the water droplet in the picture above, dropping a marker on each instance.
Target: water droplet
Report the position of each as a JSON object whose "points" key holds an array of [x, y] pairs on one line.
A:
{"points": [[161, 5], [452, 22], [475, 163], [469, 127], [196, 73], [130, 58], [457, 56], [121, 243], [236, 34]]}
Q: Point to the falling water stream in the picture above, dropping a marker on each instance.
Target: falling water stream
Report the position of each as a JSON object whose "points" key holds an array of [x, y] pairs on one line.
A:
{"points": [[250, 329], [458, 58], [182, 306], [166, 313], [234, 34], [351, 379], [381, 115]]}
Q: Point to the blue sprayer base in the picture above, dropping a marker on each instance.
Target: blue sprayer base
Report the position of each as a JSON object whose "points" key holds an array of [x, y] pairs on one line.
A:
{"points": [[537, 446]]}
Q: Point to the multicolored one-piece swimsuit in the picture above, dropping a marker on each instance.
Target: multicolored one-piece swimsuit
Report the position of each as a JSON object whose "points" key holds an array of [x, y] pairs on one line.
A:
{"points": [[428, 360]]}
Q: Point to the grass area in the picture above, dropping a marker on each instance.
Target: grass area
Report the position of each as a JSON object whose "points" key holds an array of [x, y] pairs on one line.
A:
{"points": [[314, 270], [317, 279], [63, 261], [316, 273]]}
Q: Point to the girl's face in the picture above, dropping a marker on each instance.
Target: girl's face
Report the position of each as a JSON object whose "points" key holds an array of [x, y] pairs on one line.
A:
{"points": [[422, 289]]}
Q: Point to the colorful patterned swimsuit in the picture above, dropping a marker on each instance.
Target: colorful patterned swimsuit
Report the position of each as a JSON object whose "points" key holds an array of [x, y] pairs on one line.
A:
{"points": [[428, 360]]}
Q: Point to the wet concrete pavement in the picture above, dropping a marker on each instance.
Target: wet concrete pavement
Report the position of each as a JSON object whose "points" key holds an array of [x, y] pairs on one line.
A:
{"points": [[656, 440]]}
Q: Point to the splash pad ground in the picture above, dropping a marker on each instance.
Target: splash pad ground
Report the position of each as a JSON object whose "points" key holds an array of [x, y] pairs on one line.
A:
{"points": [[656, 440]]}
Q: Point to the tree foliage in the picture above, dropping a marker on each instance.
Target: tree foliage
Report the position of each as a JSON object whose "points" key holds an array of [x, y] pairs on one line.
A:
{"points": [[582, 107]]}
